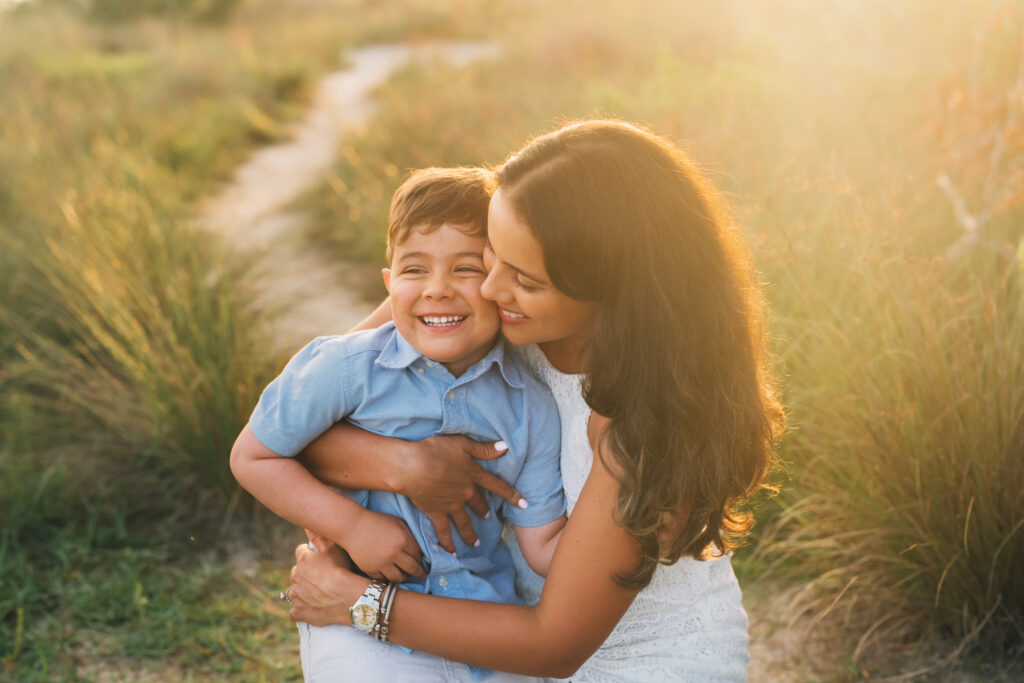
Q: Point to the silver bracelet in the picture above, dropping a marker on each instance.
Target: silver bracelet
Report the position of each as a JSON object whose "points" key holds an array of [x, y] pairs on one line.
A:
{"points": [[386, 601]]}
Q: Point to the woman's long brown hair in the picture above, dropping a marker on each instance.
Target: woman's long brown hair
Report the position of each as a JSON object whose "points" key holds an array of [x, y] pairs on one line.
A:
{"points": [[677, 356]]}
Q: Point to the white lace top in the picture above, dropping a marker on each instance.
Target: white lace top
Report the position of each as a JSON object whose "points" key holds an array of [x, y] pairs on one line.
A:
{"points": [[689, 623]]}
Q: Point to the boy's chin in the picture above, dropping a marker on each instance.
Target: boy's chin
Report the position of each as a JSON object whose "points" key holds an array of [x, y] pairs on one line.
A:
{"points": [[456, 352]]}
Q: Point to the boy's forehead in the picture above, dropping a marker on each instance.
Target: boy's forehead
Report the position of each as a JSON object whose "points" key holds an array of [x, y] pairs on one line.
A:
{"points": [[446, 240]]}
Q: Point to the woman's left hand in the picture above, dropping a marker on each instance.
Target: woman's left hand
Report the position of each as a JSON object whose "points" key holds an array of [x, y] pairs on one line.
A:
{"points": [[323, 585]]}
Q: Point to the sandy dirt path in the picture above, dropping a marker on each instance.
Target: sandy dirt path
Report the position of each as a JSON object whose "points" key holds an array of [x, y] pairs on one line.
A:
{"points": [[252, 213]]}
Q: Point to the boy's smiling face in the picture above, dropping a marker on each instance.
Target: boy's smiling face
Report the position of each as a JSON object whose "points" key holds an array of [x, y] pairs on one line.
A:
{"points": [[434, 282]]}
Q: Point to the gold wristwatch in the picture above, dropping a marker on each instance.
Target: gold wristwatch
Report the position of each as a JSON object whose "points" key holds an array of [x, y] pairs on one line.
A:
{"points": [[365, 613]]}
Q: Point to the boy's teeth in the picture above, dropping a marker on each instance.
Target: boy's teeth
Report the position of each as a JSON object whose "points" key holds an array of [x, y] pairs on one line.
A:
{"points": [[443, 319]]}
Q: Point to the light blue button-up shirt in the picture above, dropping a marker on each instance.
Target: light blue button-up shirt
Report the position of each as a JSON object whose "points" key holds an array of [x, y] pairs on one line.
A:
{"points": [[378, 381]]}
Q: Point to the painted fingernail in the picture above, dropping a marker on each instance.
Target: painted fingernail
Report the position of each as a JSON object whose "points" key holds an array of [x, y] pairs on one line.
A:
{"points": [[500, 446], [522, 504], [477, 543]]}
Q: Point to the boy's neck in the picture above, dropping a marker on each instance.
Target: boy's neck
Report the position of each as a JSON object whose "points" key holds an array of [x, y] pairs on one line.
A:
{"points": [[459, 367]]}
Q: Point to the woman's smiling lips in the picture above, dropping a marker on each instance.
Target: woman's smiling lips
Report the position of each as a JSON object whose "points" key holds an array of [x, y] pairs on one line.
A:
{"points": [[511, 316]]}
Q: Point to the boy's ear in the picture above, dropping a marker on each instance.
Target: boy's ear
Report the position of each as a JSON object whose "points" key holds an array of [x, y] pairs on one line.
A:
{"points": [[386, 272]]}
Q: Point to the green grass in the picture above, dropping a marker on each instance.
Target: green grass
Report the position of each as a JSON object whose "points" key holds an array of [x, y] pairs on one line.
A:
{"points": [[106, 580]]}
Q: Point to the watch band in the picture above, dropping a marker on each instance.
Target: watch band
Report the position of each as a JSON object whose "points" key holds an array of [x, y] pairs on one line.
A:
{"points": [[365, 612]]}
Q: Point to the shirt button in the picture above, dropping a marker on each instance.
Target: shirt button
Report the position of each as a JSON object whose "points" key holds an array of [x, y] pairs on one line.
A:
{"points": [[430, 363], [451, 395], [435, 546], [443, 581], [420, 370]]}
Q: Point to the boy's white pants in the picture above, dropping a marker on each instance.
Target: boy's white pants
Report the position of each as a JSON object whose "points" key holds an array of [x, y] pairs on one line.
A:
{"points": [[341, 653]]}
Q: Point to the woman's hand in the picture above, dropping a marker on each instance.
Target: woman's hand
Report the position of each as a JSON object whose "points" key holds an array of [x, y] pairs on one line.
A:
{"points": [[383, 547], [441, 477], [323, 585], [439, 474]]}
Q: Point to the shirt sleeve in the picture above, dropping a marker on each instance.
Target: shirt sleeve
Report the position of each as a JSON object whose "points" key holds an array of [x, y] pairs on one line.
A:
{"points": [[540, 480], [306, 398]]}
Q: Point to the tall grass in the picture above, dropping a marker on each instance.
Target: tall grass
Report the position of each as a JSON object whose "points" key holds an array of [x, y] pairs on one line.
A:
{"points": [[126, 329], [828, 127], [907, 403], [125, 326], [159, 352], [130, 349]]}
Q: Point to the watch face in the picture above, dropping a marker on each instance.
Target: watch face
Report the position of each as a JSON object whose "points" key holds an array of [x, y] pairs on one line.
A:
{"points": [[364, 615]]}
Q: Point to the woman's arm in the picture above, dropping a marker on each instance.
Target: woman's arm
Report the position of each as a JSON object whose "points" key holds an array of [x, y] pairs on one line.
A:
{"points": [[380, 315], [439, 475], [380, 544], [580, 605]]}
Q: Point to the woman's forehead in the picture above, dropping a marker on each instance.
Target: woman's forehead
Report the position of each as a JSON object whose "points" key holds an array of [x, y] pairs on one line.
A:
{"points": [[512, 240]]}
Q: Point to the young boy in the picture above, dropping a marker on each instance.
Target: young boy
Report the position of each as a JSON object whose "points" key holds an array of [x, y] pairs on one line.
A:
{"points": [[440, 368]]}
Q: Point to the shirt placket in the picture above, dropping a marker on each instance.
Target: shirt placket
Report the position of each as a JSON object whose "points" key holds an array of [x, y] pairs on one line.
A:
{"points": [[445, 568]]}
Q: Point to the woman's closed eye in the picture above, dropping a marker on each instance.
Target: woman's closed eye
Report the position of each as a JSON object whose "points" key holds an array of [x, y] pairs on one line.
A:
{"points": [[518, 281]]}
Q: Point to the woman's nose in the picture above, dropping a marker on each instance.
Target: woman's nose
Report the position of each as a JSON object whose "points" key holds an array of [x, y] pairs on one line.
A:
{"points": [[491, 286]]}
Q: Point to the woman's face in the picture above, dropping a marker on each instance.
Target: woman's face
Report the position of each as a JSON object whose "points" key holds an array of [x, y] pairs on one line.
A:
{"points": [[532, 310]]}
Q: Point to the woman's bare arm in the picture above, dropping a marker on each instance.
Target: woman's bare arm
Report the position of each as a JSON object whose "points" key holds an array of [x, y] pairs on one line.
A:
{"points": [[380, 315], [440, 475], [580, 605]]}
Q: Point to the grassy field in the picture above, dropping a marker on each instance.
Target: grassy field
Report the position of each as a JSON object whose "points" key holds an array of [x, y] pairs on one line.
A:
{"points": [[855, 141], [130, 350]]}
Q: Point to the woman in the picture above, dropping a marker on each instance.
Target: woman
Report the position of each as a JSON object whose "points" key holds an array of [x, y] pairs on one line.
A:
{"points": [[615, 265]]}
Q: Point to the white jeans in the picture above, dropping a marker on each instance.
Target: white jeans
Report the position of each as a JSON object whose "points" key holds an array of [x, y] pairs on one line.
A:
{"points": [[341, 653]]}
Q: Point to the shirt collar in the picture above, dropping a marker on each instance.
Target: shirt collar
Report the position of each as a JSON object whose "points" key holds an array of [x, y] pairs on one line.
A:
{"points": [[498, 355], [398, 354]]}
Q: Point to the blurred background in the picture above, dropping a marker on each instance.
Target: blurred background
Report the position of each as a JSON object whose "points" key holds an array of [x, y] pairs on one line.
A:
{"points": [[872, 151]]}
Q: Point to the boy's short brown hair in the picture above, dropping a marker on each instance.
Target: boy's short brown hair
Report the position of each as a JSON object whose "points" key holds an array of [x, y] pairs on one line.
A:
{"points": [[431, 197]]}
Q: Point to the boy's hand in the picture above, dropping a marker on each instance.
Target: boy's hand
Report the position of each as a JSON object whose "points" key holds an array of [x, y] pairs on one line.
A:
{"points": [[383, 547]]}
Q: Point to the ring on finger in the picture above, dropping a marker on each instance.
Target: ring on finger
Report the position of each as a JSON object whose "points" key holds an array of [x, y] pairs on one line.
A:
{"points": [[286, 595]]}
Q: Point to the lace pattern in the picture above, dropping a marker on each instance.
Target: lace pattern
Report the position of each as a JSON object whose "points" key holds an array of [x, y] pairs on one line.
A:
{"points": [[689, 623]]}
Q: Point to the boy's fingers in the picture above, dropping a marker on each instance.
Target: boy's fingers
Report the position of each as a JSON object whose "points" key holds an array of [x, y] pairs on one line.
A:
{"points": [[465, 528], [393, 574], [498, 486], [317, 542], [411, 566], [443, 530], [412, 549]]}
